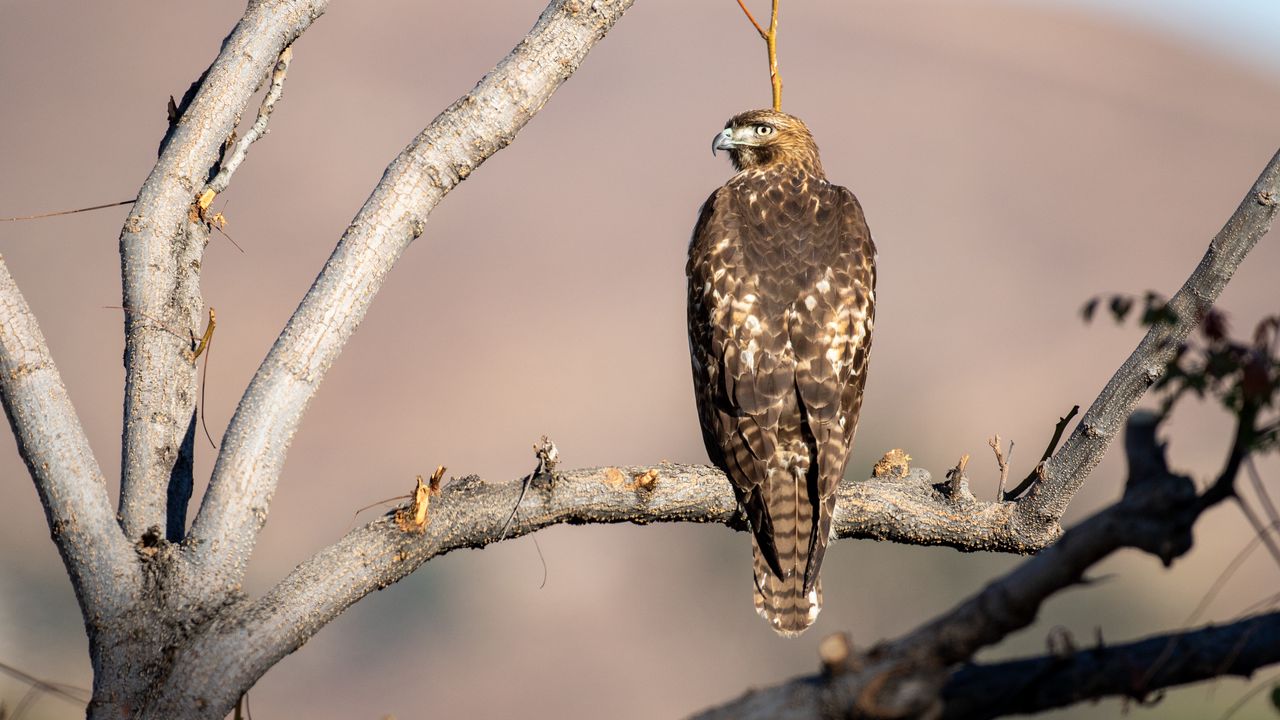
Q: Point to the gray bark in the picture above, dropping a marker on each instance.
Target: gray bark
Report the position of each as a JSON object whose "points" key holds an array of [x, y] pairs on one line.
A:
{"points": [[161, 251], [72, 490], [461, 138]]}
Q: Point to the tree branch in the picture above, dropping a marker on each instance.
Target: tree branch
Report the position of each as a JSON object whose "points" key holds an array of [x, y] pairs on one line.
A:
{"points": [[446, 152], [161, 250], [470, 513], [259, 128], [1066, 471], [1135, 670], [905, 677], [99, 559]]}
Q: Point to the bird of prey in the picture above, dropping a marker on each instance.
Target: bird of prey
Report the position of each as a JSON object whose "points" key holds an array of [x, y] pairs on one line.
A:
{"points": [[782, 283]]}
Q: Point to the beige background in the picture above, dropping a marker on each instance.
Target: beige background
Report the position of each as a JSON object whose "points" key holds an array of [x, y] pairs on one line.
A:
{"points": [[1013, 159]]}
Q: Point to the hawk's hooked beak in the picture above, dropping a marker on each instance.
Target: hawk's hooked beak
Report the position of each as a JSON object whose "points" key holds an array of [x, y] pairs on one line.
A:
{"points": [[723, 141]]}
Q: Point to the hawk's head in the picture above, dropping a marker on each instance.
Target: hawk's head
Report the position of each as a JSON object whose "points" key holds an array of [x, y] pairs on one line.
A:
{"points": [[757, 138]]}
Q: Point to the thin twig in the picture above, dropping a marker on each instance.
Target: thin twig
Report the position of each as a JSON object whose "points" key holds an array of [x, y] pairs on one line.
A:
{"points": [[1261, 530], [220, 182], [1036, 472], [59, 690], [204, 384], [752, 18], [770, 37], [67, 212], [207, 337], [1002, 462]]}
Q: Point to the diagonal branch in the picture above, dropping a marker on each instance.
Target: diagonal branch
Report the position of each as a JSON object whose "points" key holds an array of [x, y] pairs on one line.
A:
{"points": [[1066, 471], [446, 152], [72, 490], [161, 251], [905, 677], [1134, 670]]}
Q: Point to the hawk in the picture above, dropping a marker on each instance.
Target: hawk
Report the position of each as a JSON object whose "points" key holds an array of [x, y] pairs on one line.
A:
{"points": [[782, 283]]}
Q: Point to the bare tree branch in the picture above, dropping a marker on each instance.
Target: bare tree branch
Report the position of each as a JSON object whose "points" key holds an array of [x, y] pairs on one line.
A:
{"points": [[905, 677], [259, 128], [446, 152], [1135, 670], [72, 490], [1066, 471], [469, 513], [161, 249]]}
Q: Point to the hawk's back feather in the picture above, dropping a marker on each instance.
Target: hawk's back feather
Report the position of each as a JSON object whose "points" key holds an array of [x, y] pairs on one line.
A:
{"points": [[781, 306]]}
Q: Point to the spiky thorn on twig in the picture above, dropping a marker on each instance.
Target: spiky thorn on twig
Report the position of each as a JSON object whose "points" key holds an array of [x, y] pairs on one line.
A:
{"points": [[770, 37], [957, 481], [1038, 471]]}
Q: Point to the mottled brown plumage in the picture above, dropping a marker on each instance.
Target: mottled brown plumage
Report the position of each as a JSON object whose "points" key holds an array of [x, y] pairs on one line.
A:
{"points": [[781, 305]]}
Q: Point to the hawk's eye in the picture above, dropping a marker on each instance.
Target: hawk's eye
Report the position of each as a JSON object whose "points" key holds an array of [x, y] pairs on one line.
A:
{"points": [[763, 130]]}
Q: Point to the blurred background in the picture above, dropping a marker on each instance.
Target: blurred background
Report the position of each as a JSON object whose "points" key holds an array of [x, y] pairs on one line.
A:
{"points": [[1014, 159]]}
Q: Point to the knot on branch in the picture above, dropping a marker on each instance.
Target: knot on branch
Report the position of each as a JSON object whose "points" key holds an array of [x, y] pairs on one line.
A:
{"points": [[894, 464], [956, 488]]}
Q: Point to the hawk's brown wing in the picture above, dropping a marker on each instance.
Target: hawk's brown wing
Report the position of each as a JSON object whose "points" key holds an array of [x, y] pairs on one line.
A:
{"points": [[781, 292], [830, 332], [725, 386]]}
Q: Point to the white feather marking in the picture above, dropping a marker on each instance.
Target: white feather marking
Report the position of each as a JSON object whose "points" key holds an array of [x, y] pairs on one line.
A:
{"points": [[810, 302], [823, 286]]}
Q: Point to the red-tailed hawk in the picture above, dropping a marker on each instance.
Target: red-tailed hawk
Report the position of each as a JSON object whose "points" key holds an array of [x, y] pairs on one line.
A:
{"points": [[782, 283]]}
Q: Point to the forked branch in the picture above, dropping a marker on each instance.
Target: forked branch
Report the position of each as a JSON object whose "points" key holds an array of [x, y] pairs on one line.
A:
{"points": [[461, 138], [770, 37], [161, 249]]}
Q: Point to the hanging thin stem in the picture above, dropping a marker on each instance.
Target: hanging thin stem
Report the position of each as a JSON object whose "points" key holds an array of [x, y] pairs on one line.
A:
{"points": [[771, 42]]}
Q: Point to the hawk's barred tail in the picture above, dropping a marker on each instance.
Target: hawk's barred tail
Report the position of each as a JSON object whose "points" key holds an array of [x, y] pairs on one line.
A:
{"points": [[783, 601]]}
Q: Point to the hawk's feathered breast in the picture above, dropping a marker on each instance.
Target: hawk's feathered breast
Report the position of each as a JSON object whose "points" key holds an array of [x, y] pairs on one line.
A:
{"points": [[781, 306]]}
